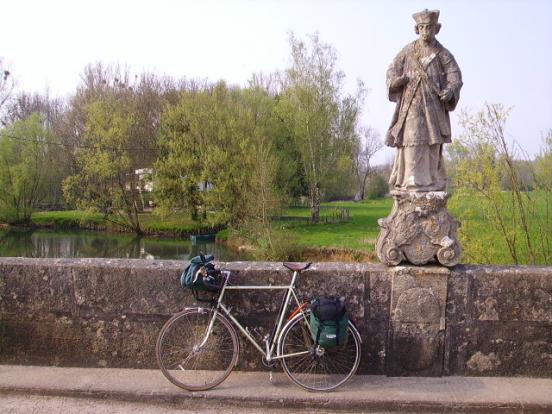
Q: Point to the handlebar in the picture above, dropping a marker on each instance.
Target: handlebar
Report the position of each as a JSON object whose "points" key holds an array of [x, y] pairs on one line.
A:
{"points": [[212, 278]]}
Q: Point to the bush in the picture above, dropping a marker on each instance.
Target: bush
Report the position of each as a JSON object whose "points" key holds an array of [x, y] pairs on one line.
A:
{"points": [[377, 188], [69, 219]]}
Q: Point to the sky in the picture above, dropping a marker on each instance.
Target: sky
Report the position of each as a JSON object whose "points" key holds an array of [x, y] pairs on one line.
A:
{"points": [[503, 47]]}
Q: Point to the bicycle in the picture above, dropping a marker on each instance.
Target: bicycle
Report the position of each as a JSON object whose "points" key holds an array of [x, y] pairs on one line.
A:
{"points": [[198, 348]]}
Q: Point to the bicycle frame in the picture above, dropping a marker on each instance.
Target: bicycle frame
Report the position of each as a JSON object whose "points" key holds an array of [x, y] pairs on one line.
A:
{"points": [[270, 345]]}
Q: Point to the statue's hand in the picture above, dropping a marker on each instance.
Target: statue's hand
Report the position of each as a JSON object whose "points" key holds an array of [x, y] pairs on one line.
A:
{"points": [[446, 95], [399, 82]]}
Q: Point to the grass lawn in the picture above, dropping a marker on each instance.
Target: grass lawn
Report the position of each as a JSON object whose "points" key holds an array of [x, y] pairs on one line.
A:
{"points": [[482, 240], [359, 233]]}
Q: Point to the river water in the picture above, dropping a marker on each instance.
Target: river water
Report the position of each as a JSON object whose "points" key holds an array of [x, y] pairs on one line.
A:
{"points": [[78, 244]]}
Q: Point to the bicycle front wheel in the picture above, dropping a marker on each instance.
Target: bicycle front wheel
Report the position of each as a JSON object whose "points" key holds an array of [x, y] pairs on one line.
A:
{"points": [[193, 358], [313, 367]]}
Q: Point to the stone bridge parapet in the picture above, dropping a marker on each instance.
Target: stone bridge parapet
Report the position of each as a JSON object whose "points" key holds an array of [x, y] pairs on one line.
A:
{"points": [[424, 321]]}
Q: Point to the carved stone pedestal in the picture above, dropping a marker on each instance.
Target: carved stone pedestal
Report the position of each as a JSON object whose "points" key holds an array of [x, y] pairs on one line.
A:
{"points": [[419, 230]]}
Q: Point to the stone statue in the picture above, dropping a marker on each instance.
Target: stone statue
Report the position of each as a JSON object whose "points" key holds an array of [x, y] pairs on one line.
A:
{"points": [[425, 81]]}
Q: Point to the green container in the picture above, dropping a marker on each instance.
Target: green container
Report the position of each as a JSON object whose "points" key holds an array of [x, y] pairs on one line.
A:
{"points": [[329, 336]]}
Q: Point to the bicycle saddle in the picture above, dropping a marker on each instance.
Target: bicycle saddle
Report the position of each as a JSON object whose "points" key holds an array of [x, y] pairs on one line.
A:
{"points": [[297, 267]]}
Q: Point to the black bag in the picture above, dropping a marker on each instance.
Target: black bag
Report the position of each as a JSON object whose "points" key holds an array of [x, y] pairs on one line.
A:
{"points": [[328, 322], [195, 276]]}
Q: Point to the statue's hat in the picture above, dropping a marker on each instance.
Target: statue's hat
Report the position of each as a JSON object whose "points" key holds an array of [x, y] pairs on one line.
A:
{"points": [[426, 16]]}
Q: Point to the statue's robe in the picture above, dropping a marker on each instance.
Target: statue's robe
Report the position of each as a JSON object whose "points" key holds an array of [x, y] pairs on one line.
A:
{"points": [[421, 122]]}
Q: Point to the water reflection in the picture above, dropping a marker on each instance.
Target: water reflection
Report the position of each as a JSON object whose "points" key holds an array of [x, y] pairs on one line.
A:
{"points": [[73, 244]]}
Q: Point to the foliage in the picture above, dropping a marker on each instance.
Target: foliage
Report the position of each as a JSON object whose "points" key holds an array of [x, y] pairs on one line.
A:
{"points": [[264, 198], [173, 225], [288, 167], [105, 180], [377, 187], [52, 113], [216, 155], [368, 146], [543, 164], [484, 163], [177, 224], [27, 153], [320, 118], [70, 219], [111, 124]]}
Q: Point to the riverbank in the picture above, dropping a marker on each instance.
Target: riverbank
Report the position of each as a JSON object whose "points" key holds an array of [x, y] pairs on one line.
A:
{"points": [[176, 225], [351, 240], [289, 250]]}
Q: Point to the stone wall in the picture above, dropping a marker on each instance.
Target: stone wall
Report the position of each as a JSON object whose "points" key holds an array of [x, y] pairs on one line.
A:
{"points": [[471, 320]]}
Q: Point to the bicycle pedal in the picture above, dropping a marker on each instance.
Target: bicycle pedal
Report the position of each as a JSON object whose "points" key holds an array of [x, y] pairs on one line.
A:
{"points": [[268, 364]]}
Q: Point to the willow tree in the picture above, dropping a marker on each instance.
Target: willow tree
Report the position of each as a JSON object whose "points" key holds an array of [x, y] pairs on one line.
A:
{"points": [[214, 150], [28, 150], [105, 180]]}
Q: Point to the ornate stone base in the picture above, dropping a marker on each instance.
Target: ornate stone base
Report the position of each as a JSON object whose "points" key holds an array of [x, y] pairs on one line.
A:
{"points": [[419, 230]]}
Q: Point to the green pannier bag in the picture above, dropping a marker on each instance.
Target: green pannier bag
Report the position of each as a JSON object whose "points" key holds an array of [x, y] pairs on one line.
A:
{"points": [[191, 277], [328, 322]]}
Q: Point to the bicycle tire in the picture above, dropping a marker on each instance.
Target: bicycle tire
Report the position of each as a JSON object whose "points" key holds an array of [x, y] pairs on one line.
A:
{"points": [[320, 369], [190, 367]]}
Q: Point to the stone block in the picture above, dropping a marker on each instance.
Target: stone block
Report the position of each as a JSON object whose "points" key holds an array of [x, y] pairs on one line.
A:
{"points": [[32, 287], [509, 349], [415, 343], [374, 347], [505, 296], [379, 296], [458, 289]]}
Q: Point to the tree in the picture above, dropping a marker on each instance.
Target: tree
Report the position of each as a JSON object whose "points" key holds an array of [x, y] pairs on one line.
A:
{"points": [[289, 171], [264, 197], [340, 182], [28, 151], [7, 85], [367, 148], [183, 138], [213, 143], [105, 180], [97, 81], [112, 125], [319, 118], [52, 114], [378, 186]]}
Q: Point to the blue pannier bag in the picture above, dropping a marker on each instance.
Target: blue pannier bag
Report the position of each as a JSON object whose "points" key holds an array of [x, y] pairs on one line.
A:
{"points": [[328, 322], [193, 278]]}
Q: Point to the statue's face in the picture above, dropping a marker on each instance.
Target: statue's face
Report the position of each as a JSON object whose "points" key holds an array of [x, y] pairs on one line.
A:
{"points": [[427, 32]]}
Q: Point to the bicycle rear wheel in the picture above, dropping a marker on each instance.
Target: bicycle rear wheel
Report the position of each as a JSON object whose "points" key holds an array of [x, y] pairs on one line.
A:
{"points": [[190, 362], [316, 368]]}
